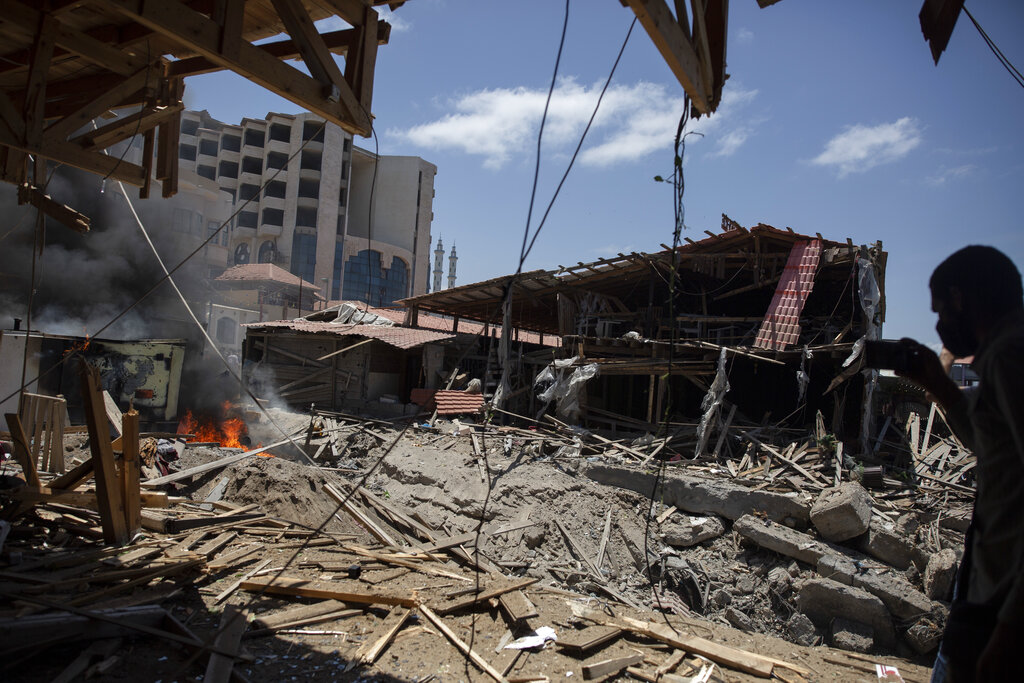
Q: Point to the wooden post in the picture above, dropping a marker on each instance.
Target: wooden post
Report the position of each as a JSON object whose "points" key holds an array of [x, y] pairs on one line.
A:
{"points": [[21, 449], [108, 493], [130, 471]]}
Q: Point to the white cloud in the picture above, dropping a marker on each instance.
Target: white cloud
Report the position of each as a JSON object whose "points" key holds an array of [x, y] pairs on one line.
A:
{"points": [[945, 174], [336, 23], [744, 36], [633, 122], [860, 147]]}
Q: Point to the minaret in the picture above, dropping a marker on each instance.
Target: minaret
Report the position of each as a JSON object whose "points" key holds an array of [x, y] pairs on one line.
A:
{"points": [[438, 265], [451, 267]]}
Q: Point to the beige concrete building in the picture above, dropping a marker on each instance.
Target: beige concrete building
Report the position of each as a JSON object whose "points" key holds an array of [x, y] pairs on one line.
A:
{"points": [[306, 192]]}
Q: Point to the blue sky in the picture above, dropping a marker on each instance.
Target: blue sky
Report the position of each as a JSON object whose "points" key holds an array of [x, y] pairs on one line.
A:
{"points": [[834, 120]]}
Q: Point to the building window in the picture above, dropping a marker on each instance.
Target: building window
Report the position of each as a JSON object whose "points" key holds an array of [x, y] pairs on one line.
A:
{"points": [[248, 191], [211, 229], [228, 168], [208, 147], [224, 235], [254, 137], [341, 223], [339, 261], [273, 216], [276, 188], [311, 160], [241, 254], [230, 192], [280, 132], [267, 253], [309, 188], [181, 220], [365, 280], [189, 126], [344, 170], [187, 152], [313, 130], [248, 219], [346, 146], [277, 160], [305, 217], [252, 165], [226, 329], [342, 196], [231, 143], [303, 261], [206, 171]]}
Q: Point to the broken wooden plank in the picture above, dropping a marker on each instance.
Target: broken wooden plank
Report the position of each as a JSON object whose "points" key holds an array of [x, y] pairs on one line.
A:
{"points": [[463, 647], [215, 465], [588, 638], [486, 594], [517, 606], [108, 491], [22, 452], [610, 666], [382, 636], [229, 637], [344, 590], [130, 472]]}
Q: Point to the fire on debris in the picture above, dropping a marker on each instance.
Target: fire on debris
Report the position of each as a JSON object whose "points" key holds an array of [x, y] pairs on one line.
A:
{"points": [[227, 430]]}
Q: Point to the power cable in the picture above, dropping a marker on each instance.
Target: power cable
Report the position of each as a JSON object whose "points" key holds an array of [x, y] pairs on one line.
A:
{"points": [[1010, 68]]}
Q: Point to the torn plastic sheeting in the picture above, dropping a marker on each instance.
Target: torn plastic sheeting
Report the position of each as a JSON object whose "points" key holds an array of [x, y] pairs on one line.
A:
{"points": [[568, 404], [802, 378], [870, 296], [350, 315], [712, 400], [539, 638]]}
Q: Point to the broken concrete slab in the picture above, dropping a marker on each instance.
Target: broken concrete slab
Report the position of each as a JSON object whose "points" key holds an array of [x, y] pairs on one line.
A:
{"points": [[739, 619], [883, 542], [781, 539], [939, 574], [704, 496], [684, 531], [801, 630], [900, 597], [843, 512], [852, 635], [824, 600]]}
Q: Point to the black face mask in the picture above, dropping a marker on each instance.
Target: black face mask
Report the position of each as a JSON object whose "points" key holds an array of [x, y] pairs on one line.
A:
{"points": [[957, 336]]}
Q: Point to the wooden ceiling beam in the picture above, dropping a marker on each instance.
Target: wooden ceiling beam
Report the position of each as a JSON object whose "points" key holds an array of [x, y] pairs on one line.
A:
{"points": [[338, 42], [675, 47], [201, 34], [73, 155], [126, 127], [105, 101]]}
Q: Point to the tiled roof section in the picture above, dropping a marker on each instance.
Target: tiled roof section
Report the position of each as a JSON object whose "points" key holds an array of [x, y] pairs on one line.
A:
{"points": [[457, 402], [430, 321], [781, 326], [399, 337], [423, 398], [263, 272]]}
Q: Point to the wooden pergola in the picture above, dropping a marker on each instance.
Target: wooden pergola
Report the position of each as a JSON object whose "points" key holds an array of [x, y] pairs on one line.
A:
{"points": [[66, 63]]}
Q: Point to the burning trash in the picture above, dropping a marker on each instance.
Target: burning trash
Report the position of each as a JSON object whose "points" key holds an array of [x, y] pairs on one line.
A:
{"points": [[225, 428]]}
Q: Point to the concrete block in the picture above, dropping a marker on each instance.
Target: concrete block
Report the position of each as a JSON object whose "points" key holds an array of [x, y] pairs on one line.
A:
{"points": [[924, 636], [939, 574], [899, 596], [843, 512], [739, 620], [781, 539], [852, 636], [801, 630], [823, 600], [891, 547], [708, 496], [684, 531]]}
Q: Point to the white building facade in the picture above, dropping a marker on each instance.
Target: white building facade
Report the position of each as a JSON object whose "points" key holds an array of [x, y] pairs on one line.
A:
{"points": [[314, 216]]}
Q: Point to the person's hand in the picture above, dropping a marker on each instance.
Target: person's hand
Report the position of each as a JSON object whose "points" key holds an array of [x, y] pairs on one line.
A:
{"points": [[999, 661], [925, 368]]}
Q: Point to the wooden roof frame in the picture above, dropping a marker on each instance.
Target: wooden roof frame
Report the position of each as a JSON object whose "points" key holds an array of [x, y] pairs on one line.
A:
{"points": [[81, 59]]}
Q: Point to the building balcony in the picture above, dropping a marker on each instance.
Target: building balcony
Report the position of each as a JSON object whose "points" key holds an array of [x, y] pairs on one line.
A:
{"points": [[244, 233], [310, 202], [278, 146], [309, 174], [270, 230]]}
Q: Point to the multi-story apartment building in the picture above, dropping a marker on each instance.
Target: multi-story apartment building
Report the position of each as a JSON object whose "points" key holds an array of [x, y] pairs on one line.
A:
{"points": [[303, 193]]}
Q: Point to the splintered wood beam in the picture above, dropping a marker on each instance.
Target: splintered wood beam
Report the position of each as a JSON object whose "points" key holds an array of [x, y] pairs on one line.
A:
{"points": [[55, 210], [35, 91], [362, 60], [22, 452], [96, 51], [130, 470], [198, 33], [102, 102], [108, 492], [73, 155], [230, 16], [11, 117], [126, 127], [675, 47], [338, 42], [315, 54]]}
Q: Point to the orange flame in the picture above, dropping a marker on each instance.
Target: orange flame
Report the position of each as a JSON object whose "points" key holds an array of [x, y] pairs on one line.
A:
{"points": [[227, 431]]}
